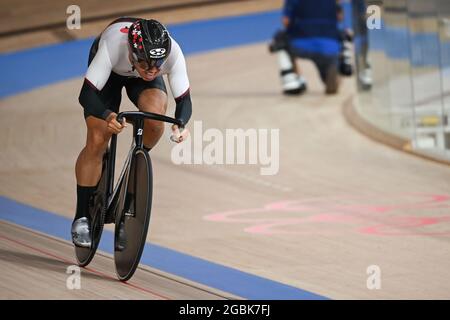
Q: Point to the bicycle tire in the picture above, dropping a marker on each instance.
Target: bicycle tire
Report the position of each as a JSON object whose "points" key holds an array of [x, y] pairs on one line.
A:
{"points": [[138, 187]]}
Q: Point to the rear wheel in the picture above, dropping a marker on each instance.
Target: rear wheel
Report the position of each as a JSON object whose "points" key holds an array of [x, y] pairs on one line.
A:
{"points": [[133, 215], [97, 210]]}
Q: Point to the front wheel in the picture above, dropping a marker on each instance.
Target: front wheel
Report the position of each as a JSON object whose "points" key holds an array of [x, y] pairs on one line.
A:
{"points": [[133, 215]]}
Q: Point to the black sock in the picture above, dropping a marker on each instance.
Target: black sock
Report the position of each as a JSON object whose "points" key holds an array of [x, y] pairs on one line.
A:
{"points": [[83, 196]]}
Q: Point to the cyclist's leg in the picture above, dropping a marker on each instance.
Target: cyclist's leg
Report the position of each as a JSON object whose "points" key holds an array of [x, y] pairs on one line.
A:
{"points": [[153, 100], [89, 162], [88, 170], [149, 96]]}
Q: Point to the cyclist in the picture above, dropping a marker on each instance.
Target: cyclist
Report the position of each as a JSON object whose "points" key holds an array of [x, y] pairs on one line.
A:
{"points": [[133, 53]]}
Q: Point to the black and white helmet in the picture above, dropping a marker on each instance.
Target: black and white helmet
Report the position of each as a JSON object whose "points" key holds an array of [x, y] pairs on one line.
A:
{"points": [[150, 42]]}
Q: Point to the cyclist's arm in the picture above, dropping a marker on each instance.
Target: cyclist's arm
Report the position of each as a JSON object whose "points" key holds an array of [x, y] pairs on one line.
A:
{"points": [[183, 109], [96, 77], [179, 84]]}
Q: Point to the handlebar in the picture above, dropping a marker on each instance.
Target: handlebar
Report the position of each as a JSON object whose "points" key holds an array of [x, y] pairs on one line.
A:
{"points": [[132, 116]]}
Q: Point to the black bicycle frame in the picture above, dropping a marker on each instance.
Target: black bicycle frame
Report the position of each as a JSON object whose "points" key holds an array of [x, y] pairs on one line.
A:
{"points": [[137, 120]]}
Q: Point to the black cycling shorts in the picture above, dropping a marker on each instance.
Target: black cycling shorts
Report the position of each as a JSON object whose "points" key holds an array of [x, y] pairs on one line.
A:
{"points": [[111, 94]]}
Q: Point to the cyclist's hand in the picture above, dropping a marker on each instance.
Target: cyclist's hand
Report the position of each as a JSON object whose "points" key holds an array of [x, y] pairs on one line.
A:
{"points": [[115, 126], [178, 136]]}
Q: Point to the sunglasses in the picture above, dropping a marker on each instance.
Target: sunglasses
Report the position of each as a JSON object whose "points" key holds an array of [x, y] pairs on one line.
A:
{"points": [[148, 65]]}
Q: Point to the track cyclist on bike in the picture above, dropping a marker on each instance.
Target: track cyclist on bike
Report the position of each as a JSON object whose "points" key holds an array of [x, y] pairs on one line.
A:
{"points": [[132, 53]]}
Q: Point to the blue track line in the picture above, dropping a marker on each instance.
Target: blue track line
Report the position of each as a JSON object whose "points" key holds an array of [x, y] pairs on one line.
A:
{"points": [[199, 270]]}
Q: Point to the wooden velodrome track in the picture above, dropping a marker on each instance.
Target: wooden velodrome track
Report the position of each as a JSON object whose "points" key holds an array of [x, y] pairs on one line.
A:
{"points": [[339, 203]]}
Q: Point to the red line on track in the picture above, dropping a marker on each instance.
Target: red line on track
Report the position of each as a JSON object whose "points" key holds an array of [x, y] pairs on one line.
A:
{"points": [[86, 268]]}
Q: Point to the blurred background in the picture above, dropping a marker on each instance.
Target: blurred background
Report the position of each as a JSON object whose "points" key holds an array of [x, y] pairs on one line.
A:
{"points": [[409, 59], [406, 60]]}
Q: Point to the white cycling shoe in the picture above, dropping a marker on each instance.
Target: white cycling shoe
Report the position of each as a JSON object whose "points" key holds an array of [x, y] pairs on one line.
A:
{"points": [[81, 234]]}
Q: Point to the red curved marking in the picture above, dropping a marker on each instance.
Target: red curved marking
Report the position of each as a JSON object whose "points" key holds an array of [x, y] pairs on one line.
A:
{"points": [[282, 228], [330, 212], [401, 226]]}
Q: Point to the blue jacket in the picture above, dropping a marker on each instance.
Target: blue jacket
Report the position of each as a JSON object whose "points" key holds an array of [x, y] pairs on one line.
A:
{"points": [[313, 25]]}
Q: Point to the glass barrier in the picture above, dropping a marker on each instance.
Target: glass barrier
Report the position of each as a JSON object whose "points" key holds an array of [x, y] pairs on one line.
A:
{"points": [[403, 70]]}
